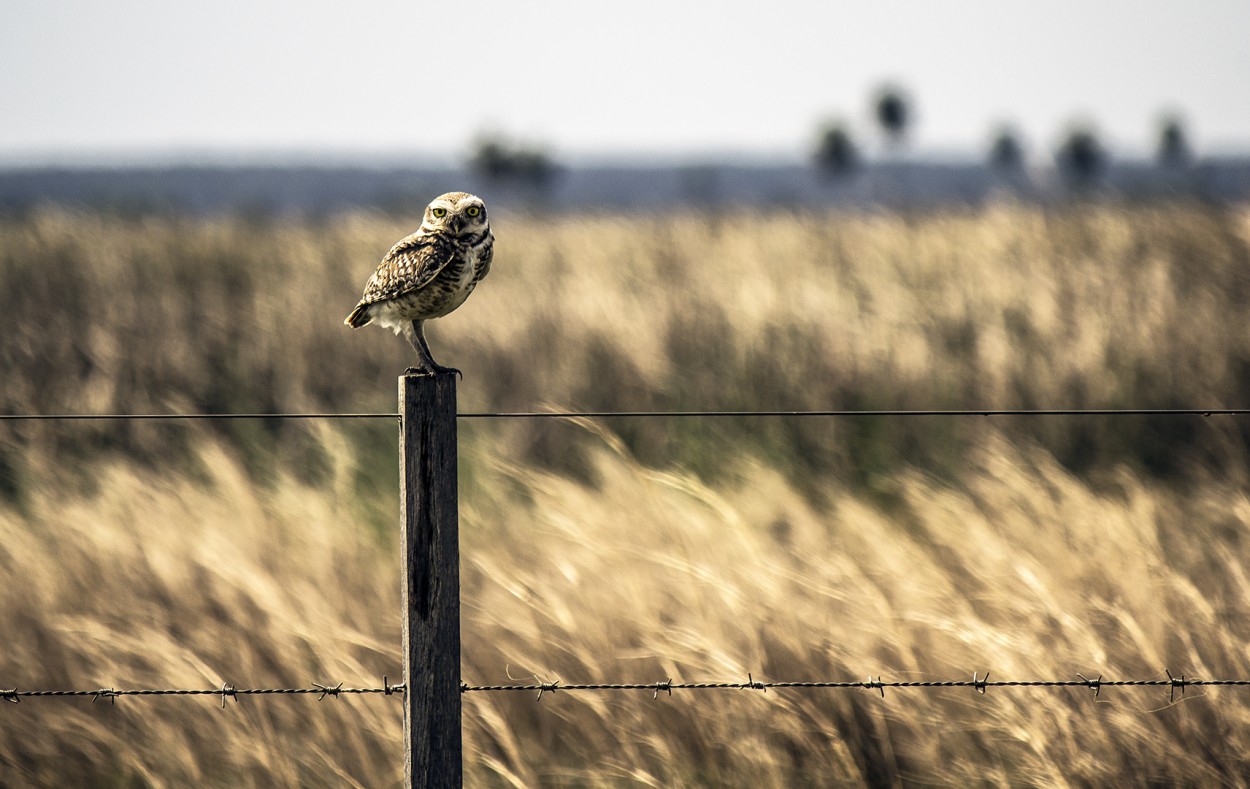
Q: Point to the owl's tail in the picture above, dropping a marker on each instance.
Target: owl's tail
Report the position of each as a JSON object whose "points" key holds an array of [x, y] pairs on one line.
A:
{"points": [[359, 316]]}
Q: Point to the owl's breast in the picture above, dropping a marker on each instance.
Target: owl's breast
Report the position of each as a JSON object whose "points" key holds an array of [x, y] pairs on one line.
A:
{"points": [[440, 296]]}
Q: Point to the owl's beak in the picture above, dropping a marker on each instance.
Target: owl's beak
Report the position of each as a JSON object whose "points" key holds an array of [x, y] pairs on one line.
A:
{"points": [[456, 224]]}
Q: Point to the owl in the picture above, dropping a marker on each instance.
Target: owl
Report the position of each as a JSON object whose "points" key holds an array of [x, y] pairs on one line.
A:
{"points": [[429, 273]]}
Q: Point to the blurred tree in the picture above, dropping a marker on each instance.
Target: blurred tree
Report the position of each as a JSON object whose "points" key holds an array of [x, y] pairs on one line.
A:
{"points": [[1081, 156], [491, 159], [836, 154], [1006, 152], [533, 167], [497, 160], [893, 111], [1173, 149]]}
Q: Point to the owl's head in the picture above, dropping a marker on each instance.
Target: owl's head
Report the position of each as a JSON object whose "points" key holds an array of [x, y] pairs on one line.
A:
{"points": [[456, 214]]}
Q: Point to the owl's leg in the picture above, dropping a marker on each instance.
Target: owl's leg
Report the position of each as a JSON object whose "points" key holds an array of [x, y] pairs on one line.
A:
{"points": [[415, 334]]}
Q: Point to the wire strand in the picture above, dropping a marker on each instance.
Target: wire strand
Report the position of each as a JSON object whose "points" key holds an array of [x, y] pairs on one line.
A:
{"points": [[977, 682], [190, 416], [981, 412]]}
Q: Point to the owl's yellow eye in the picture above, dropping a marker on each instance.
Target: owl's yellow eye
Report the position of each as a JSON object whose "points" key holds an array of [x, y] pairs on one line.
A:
{"points": [[473, 210], [439, 212]]}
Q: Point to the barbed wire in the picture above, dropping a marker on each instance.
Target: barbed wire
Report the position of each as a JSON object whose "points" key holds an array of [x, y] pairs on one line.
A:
{"points": [[981, 412], [978, 683], [225, 691]]}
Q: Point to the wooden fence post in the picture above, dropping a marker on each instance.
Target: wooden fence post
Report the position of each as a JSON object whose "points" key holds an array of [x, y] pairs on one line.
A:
{"points": [[431, 588]]}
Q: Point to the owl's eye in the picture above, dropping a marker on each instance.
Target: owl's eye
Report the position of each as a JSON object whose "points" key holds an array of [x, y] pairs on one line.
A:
{"points": [[473, 210], [439, 212]]}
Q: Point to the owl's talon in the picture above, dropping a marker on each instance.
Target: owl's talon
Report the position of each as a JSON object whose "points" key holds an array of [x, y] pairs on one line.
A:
{"points": [[437, 369]]}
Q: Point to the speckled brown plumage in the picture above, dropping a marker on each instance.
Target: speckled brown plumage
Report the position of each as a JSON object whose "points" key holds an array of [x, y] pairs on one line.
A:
{"points": [[429, 273]]}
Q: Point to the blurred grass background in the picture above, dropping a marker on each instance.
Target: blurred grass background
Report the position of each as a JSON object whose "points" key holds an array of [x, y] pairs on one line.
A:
{"points": [[149, 554]]}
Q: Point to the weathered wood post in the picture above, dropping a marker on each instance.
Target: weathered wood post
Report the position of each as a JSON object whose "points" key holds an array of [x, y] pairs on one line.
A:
{"points": [[431, 587]]}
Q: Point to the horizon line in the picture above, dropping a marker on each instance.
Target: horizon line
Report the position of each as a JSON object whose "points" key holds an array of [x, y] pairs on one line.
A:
{"points": [[334, 158]]}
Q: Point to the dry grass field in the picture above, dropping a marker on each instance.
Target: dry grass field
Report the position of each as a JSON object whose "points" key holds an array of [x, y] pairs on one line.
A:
{"points": [[264, 554]]}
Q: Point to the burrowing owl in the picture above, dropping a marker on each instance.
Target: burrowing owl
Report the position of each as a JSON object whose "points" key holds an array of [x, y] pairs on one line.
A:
{"points": [[429, 273]]}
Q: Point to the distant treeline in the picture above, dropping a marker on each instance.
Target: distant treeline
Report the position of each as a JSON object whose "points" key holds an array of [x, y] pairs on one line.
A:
{"points": [[260, 190]]}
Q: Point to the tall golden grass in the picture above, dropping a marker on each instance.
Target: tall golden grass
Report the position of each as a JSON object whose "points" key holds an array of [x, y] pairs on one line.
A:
{"points": [[157, 554], [1081, 306]]}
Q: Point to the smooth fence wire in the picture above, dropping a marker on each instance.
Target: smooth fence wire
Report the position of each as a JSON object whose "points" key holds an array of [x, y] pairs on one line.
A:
{"points": [[187, 416], [982, 412]]}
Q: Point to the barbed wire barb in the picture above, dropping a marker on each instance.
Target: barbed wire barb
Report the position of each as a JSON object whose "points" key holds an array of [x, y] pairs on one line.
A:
{"points": [[1175, 683], [228, 691], [11, 695], [659, 686], [980, 685], [878, 685], [1093, 684], [547, 687], [328, 690]]}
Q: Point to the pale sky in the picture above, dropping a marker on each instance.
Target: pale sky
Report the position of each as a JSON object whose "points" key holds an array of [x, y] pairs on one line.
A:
{"points": [[586, 79]]}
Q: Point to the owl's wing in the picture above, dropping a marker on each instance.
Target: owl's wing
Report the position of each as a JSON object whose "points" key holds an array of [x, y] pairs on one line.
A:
{"points": [[484, 261], [410, 265]]}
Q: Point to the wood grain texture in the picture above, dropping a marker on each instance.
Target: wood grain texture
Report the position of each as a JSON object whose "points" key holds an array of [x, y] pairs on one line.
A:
{"points": [[431, 586]]}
